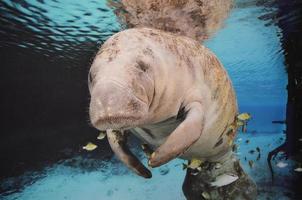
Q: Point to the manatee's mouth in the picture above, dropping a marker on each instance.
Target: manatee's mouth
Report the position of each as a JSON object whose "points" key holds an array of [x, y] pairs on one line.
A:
{"points": [[116, 122]]}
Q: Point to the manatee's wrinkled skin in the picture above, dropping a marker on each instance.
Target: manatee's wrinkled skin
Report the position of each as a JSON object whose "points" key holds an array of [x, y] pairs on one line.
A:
{"points": [[171, 91]]}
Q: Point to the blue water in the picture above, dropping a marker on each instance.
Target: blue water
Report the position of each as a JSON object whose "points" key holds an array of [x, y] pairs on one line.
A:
{"points": [[253, 56], [250, 51]]}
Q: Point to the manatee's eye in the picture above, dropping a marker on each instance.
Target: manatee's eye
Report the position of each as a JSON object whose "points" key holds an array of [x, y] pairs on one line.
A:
{"points": [[142, 66]]}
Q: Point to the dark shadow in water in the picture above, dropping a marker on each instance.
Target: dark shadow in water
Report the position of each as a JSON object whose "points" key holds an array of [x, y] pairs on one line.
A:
{"points": [[291, 25], [288, 16], [43, 83]]}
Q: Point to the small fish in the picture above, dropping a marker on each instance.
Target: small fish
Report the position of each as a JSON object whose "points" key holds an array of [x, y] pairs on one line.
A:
{"points": [[243, 130], [299, 169], [300, 140], [102, 135], [244, 116], [240, 123], [206, 195], [247, 141], [281, 164], [218, 166], [258, 157], [147, 150], [258, 149], [90, 146], [193, 164], [252, 151], [224, 179], [235, 148], [195, 173], [251, 163], [245, 158]]}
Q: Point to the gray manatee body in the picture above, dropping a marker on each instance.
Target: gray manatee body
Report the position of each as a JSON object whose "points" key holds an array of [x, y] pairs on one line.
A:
{"points": [[169, 90]]}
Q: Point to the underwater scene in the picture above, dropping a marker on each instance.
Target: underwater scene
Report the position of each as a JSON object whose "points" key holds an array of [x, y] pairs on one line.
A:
{"points": [[50, 150]]}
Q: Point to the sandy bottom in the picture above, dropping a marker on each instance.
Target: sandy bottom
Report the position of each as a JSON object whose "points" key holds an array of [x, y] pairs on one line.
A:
{"points": [[111, 180]]}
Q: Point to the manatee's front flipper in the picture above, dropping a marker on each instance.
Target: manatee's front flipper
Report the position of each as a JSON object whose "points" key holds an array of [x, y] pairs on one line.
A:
{"points": [[186, 134], [118, 143]]}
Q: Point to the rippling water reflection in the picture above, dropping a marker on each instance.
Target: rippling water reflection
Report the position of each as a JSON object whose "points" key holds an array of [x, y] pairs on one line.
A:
{"points": [[251, 51], [56, 28]]}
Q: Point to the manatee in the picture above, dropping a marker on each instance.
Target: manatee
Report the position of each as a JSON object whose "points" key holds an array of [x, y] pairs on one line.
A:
{"points": [[169, 91]]}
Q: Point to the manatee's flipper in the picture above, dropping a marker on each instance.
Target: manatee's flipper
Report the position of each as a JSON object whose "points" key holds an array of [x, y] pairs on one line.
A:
{"points": [[118, 143], [186, 134]]}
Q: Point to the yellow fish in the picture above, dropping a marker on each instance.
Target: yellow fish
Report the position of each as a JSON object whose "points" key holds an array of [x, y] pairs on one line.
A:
{"points": [[206, 195], [240, 123], [244, 116], [147, 150], [90, 146], [194, 164], [102, 135]]}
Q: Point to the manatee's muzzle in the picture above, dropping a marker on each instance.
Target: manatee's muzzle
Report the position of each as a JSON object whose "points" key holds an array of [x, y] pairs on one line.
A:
{"points": [[114, 106]]}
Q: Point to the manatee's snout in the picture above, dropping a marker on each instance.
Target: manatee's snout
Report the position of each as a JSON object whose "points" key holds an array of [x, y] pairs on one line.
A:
{"points": [[114, 106]]}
